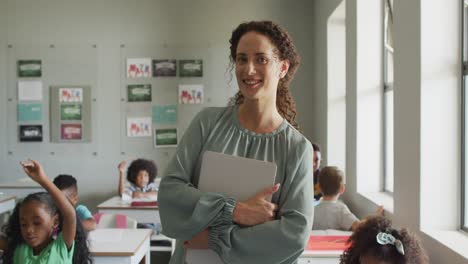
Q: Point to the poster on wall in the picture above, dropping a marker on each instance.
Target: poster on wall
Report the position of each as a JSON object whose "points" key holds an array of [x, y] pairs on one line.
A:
{"points": [[71, 132], [164, 68], [165, 137], [191, 94], [71, 95], [138, 67], [139, 92], [29, 68], [30, 133], [29, 112], [29, 90], [163, 114], [190, 68], [139, 126], [70, 112]]}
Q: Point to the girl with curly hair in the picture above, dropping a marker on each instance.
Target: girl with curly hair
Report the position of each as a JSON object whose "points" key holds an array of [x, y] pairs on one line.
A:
{"points": [[376, 242], [140, 175], [259, 123]]}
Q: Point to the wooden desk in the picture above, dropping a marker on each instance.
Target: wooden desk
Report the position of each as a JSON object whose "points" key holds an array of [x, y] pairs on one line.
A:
{"points": [[7, 203], [323, 256], [126, 246], [143, 214], [20, 188]]}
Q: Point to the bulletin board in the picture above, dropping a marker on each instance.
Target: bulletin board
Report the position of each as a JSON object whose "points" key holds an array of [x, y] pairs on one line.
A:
{"points": [[70, 64], [164, 94], [70, 114]]}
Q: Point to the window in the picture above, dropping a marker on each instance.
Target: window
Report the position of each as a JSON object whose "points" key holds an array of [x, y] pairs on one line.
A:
{"points": [[464, 155], [388, 96]]}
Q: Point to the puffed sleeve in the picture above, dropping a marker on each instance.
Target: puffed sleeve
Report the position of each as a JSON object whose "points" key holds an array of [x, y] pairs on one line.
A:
{"points": [[184, 210], [281, 240]]}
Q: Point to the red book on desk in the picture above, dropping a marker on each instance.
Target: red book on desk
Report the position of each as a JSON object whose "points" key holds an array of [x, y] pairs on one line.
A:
{"points": [[327, 243], [144, 203]]}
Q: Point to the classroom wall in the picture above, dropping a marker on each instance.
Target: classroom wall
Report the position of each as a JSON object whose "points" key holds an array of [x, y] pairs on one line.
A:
{"points": [[145, 28], [421, 141]]}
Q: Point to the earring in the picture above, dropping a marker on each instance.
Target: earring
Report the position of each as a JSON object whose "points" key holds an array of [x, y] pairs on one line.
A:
{"points": [[55, 233]]}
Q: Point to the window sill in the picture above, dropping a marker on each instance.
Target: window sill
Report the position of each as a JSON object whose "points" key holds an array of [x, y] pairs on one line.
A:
{"points": [[380, 198], [452, 239]]}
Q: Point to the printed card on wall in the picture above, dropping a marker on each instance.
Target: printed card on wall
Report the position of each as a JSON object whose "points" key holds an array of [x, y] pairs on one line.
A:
{"points": [[190, 68], [29, 91], [71, 131], [29, 68], [29, 112], [191, 94], [70, 112], [164, 68], [139, 126], [139, 92], [30, 133], [71, 95], [138, 67], [165, 137], [164, 114]]}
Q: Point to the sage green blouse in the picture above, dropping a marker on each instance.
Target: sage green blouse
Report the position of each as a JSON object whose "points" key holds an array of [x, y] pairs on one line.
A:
{"points": [[185, 211]]}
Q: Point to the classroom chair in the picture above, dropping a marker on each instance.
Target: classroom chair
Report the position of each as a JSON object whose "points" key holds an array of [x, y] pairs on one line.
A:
{"points": [[114, 221]]}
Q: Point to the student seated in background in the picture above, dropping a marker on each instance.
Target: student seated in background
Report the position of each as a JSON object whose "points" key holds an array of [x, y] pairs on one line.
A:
{"points": [[316, 162], [331, 213], [376, 241], [140, 174], [68, 185]]}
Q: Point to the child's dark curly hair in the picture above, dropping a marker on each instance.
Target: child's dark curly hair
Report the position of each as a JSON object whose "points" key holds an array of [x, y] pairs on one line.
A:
{"points": [[285, 50], [364, 243], [12, 230], [139, 165]]}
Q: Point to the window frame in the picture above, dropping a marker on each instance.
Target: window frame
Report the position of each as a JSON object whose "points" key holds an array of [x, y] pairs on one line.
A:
{"points": [[464, 108], [388, 87]]}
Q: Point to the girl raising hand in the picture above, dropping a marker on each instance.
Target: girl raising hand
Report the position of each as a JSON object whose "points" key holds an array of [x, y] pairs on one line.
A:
{"points": [[43, 226]]}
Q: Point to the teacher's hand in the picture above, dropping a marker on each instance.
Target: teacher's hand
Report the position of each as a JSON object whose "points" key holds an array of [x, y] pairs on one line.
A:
{"points": [[199, 241], [257, 209]]}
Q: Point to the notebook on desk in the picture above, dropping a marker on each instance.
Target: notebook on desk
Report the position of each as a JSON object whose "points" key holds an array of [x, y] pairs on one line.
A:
{"points": [[232, 176], [327, 242]]}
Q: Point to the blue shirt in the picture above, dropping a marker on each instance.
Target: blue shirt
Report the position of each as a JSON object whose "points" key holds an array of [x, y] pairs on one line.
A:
{"points": [[83, 212]]}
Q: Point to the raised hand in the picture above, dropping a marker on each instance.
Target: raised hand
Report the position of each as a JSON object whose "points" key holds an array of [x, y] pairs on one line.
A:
{"points": [[34, 170], [257, 209], [122, 166]]}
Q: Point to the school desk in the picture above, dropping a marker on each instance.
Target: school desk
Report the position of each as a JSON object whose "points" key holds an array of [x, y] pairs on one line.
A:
{"points": [[143, 214], [20, 188], [125, 246], [7, 203], [323, 256]]}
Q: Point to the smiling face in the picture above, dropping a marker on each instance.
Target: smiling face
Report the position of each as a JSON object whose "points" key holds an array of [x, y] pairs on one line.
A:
{"points": [[142, 179], [258, 69], [37, 225]]}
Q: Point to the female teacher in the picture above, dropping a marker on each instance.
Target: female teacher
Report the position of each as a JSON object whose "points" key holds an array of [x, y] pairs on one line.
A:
{"points": [[258, 124]]}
